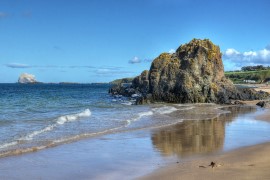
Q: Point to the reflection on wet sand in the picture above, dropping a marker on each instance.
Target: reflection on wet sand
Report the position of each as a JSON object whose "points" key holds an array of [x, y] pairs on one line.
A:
{"points": [[195, 136]]}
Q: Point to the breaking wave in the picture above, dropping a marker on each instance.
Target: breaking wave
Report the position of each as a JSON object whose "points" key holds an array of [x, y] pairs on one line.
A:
{"points": [[165, 110], [73, 117], [60, 121], [140, 115]]}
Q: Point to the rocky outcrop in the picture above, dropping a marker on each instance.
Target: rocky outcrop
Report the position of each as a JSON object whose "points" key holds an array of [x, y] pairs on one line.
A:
{"points": [[193, 74], [263, 104], [27, 79]]}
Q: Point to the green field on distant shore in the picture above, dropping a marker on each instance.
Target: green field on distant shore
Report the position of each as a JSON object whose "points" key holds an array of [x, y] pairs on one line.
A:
{"points": [[258, 76]]}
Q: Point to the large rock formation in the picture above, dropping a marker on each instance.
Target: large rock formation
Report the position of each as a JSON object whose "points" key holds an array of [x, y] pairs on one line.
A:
{"points": [[27, 78], [193, 74]]}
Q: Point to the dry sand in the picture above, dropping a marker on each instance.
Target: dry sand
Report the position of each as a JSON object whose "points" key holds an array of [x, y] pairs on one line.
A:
{"points": [[246, 163], [263, 87]]}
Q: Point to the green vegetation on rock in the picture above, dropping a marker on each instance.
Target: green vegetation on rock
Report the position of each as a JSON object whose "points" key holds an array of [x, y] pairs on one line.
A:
{"points": [[123, 80]]}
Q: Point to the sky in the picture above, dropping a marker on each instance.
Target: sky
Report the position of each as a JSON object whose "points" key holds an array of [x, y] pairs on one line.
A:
{"points": [[101, 40]]}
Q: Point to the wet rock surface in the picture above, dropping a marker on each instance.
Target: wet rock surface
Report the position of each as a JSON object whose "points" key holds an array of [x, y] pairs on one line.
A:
{"points": [[193, 74]]}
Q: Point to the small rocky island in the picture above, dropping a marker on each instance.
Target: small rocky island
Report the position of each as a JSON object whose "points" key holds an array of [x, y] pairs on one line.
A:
{"points": [[27, 79], [193, 74]]}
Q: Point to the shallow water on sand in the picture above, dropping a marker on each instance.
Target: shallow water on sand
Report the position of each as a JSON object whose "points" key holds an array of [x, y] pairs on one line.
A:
{"points": [[40, 116], [137, 151]]}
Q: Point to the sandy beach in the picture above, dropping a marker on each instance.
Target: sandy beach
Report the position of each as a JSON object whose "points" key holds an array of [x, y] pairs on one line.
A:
{"points": [[251, 162], [263, 87], [245, 163], [154, 153]]}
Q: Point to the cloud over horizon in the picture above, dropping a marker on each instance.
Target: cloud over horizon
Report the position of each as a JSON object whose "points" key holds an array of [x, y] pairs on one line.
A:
{"points": [[137, 60], [248, 58], [17, 65], [111, 71], [171, 51]]}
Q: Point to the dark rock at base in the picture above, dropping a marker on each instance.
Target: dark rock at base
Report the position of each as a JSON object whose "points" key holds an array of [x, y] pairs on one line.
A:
{"points": [[144, 99], [262, 104], [193, 74], [237, 102]]}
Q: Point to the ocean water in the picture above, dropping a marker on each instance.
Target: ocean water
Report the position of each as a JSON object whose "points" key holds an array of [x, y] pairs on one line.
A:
{"points": [[111, 138], [38, 116]]}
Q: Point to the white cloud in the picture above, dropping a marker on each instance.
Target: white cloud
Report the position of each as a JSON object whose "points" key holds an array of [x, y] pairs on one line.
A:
{"points": [[250, 54], [231, 52], [236, 59], [135, 60], [17, 65], [109, 71], [171, 51]]}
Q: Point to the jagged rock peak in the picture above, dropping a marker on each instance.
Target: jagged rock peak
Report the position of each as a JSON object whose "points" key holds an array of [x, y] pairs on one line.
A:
{"points": [[193, 74]]}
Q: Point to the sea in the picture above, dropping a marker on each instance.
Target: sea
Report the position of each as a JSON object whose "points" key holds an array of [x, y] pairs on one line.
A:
{"points": [[80, 131], [39, 116]]}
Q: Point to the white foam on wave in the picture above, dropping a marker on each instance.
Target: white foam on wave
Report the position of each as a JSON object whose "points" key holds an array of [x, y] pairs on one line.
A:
{"points": [[35, 133], [2, 146], [148, 113], [73, 117], [60, 121], [165, 110], [128, 103], [140, 115]]}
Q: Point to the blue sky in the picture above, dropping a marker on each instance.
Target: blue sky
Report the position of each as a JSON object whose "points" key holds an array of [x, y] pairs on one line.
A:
{"points": [[101, 40]]}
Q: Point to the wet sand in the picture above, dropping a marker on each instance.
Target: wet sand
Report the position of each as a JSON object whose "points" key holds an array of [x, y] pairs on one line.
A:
{"points": [[245, 163], [251, 162], [132, 154], [265, 116]]}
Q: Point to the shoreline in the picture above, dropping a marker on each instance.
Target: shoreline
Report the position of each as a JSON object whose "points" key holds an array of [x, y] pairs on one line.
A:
{"points": [[245, 163], [251, 162], [133, 154]]}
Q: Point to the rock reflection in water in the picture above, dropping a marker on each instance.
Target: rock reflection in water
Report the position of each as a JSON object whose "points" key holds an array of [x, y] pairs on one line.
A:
{"points": [[195, 136]]}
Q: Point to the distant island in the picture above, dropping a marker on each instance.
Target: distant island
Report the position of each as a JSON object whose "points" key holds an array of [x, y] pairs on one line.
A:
{"points": [[26, 78]]}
